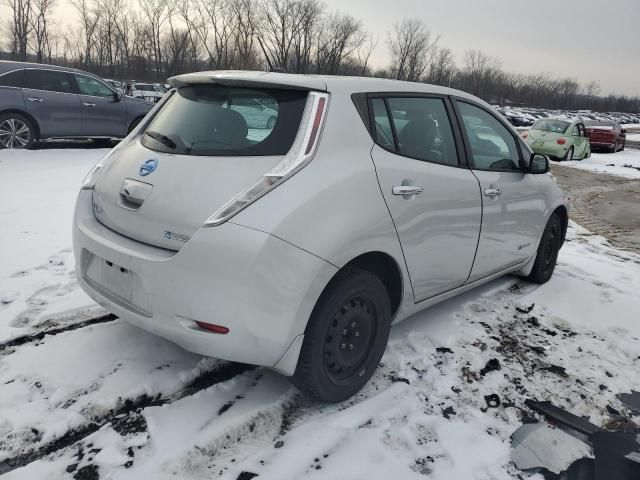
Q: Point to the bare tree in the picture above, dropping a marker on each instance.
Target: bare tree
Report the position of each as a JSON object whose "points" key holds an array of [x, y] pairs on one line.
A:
{"points": [[20, 26], [411, 46], [156, 13], [89, 18], [591, 90], [480, 71], [340, 37], [443, 68], [39, 22]]}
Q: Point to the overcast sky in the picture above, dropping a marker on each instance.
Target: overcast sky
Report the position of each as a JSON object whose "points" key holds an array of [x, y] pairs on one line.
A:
{"points": [[584, 39]]}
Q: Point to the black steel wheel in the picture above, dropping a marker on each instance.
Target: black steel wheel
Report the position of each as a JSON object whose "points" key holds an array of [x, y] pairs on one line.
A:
{"points": [[548, 250], [345, 337]]}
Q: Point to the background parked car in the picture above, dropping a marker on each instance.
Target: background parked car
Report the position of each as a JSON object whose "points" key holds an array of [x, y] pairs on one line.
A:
{"points": [[559, 138], [117, 85], [608, 135], [148, 91], [44, 101]]}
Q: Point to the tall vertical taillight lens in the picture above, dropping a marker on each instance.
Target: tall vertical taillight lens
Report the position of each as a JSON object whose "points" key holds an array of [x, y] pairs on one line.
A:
{"points": [[301, 153]]}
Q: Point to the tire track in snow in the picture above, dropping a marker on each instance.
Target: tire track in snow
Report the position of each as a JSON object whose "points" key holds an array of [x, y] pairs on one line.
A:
{"points": [[127, 418], [6, 347]]}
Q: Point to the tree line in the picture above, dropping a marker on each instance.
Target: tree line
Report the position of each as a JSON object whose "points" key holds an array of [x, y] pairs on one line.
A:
{"points": [[155, 39]]}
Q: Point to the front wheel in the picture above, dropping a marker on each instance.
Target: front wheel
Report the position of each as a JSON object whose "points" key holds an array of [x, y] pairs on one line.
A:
{"points": [[16, 131], [345, 337], [548, 250]]}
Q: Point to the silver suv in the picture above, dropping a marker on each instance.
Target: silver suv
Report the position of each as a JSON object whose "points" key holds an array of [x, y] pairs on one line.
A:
{"points": [[44, 101], [295, 244]]}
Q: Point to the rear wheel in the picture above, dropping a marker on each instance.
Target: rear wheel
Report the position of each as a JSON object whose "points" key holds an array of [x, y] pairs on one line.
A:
{"points": [[548, 249], [614, 149], [569, 155], [16, 131], [587, 153], [624, 143], [345, 337]]}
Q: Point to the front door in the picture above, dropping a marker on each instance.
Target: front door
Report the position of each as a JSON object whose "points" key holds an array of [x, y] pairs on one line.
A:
{"points": [[103, 114], [50, 97], [512, 202], [433, 200]]}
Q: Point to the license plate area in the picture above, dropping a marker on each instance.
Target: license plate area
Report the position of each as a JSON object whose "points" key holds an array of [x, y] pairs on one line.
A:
{"points": [[110, 277]]}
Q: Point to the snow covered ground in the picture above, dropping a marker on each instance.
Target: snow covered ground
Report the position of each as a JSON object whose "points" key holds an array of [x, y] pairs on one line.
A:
{"points": [[107, 400], [623, 164]]}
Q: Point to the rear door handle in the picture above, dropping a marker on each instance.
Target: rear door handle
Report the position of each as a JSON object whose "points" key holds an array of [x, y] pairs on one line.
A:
{"points": [[88, 104], [492, 192], [34, 99], [405, 190]]}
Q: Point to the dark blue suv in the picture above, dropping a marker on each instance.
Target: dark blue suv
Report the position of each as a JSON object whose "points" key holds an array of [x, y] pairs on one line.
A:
{"points": [[45, 101]]}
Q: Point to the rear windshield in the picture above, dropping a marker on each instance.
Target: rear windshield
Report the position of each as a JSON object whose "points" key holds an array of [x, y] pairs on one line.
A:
{"points": [[555, 126], [227, 121]]}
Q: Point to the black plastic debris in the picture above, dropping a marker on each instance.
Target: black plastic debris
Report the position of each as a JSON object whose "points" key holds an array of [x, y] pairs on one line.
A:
{"points": [[246, 476], [493, 400], [448, 412], [278, 444], [561, 416], [611, 450], [491, 366], [630, 400], [400, 379]]}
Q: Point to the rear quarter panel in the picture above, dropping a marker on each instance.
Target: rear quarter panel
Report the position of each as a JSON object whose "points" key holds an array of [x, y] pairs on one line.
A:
{"points": [[333, 208]]}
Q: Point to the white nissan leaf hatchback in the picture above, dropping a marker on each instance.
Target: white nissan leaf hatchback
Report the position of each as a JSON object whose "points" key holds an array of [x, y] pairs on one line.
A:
{"points": [[295, 243]]}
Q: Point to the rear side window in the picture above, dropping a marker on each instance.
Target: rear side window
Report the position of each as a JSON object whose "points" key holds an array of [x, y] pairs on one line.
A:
{"points": [[227, 121], [384, 134], [12, 79], [49, 80], [492, 145], [423, 129]]}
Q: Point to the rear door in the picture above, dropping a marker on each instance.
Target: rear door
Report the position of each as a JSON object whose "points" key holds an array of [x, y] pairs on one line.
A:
{"points": [[51, 97], [433, 198], [512, 202], [102, 113]]}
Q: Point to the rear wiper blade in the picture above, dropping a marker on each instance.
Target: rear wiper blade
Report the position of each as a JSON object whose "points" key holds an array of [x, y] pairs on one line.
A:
{"points": [[161, 138]]}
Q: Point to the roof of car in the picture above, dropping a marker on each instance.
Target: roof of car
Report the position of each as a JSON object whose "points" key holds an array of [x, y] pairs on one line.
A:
{"points": [[328, 83], [9, 65]]}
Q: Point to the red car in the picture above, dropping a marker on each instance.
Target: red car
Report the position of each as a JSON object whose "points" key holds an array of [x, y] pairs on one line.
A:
{"points": [[606, 135]]}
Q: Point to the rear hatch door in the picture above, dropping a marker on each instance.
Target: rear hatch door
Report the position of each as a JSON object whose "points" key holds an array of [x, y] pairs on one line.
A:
{"points": [[202, 148]]}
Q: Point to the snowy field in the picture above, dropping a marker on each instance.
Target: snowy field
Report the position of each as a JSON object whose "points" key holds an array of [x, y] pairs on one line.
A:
{"points": [[623, 164], [106, 400]]}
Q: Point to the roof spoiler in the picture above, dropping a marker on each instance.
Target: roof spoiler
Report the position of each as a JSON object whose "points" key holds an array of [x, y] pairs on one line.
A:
{"points": [[250, 80]]}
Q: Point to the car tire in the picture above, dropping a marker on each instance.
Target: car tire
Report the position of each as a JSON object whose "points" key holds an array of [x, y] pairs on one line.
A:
{"points": [[345, 338], [271, 122], [624, 144], [134, 124], [568, 156], [614, 149], [588, 153], [16, 131], [547, 254]]}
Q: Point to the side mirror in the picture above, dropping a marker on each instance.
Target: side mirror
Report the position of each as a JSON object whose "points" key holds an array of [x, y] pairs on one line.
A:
{"points": [[538, 164], [117, 96]]}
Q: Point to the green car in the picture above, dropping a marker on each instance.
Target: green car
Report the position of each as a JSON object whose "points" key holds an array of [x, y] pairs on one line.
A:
{"points": [[558, 138]]}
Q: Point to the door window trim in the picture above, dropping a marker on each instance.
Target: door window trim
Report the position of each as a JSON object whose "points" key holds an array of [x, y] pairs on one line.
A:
{"points": [[457, 139], [469, 152]]}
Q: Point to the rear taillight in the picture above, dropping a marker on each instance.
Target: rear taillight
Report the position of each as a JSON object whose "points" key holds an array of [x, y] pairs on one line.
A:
{"points": [[301, 153], [561, 141], [524, 135]]}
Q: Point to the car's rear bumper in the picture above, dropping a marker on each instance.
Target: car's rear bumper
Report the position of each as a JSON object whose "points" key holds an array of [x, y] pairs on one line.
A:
{"points": [[550, 149], [603, 144], [262, 288]]}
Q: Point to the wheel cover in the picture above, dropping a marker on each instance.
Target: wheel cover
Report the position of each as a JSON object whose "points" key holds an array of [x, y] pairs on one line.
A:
{"points": [[14, 133], [348, 341]]}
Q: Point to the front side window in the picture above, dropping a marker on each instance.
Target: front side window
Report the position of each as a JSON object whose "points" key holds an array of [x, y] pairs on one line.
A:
{"points": [[492, 145], [215, 121], [12, 79], [49, 80], [423, 130], [91, 86]]}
